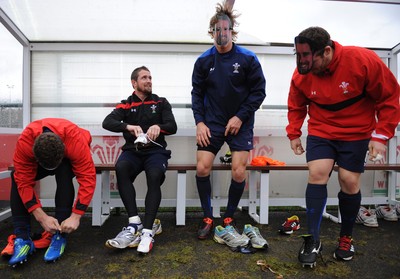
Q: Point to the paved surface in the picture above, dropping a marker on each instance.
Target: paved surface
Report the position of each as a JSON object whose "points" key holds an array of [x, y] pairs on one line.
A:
{"points": [[178, 254]]}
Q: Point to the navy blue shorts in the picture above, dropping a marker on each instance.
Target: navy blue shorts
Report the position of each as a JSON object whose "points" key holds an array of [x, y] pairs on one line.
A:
{"points": [[243, 141], [349, 155], [146, 160]]}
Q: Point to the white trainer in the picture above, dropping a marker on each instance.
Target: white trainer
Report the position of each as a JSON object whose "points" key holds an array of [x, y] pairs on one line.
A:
{"points": [[397, 206], [126, 238], [386, 212], [157, 229], [146, 243], [366, 217]]}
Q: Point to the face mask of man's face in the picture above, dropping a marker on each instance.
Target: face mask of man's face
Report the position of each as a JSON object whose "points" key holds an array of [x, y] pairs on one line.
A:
{"points": [[222, 32]]}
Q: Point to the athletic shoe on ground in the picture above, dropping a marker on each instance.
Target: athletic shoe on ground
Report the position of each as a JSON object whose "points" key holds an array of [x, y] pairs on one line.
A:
{"points": [[230, 237], [386, 212], [366, 218], [290, 225], [126, 238], [146, 243], [227, 159], [228, 221], [130, 236], [157, 228], [309, 251], [205, 228], [256, 239], [22, 248], [56, 248], [9, 249], [43, 241], [397, 207], [345, 249]]}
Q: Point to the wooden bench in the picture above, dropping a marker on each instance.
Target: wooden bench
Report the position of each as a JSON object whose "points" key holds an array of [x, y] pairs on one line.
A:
{"points": [[102, 202]]}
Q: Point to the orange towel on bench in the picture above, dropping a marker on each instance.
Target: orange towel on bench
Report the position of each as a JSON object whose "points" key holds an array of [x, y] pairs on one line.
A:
{"points": [[264, 161]]}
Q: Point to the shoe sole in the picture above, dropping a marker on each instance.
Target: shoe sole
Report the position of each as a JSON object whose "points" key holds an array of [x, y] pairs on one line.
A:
{"points": [[22, 261], [310, 265], [371, 225], [109, 245], [221, 241], [391, 219], [203, 237], [7, 253], [343, 259], [265, 246]]}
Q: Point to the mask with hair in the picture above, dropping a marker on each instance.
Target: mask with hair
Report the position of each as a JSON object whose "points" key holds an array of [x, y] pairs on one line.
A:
{"points": [[222, 30]]}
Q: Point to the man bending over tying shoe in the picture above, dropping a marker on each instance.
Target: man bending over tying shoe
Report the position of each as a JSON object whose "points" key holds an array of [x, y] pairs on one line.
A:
{"points": [[50, 146]]}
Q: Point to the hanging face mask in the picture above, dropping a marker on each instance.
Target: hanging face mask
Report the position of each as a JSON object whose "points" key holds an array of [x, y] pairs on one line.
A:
{"points": [[222, 31]]}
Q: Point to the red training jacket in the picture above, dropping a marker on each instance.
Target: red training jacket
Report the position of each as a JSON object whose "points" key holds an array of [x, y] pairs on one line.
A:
{"points": [[77, 150], [357, 98]]}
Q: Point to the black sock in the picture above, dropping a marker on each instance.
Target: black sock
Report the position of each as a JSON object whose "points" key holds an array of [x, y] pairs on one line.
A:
{"points": [[349, 206], [235, 194], [22, 227], [204, 189], [316, 195]]}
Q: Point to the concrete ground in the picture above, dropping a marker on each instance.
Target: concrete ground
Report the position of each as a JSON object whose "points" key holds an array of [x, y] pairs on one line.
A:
{"points": [[178, 254]]}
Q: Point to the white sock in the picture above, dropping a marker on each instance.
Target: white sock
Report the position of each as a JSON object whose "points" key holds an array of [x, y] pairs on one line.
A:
{"points": [[134, 220], [147, 232]]}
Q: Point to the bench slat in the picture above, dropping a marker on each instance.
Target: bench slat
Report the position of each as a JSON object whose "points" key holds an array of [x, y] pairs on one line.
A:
{"points": [[192, 167]]}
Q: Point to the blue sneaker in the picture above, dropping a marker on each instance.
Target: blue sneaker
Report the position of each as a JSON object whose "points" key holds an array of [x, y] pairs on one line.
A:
{"points": [[56, 248], [22, 248]]}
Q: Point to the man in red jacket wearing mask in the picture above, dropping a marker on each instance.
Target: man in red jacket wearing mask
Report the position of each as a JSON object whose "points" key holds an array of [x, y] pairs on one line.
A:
{"points": [[352, 100], [50, 146]]}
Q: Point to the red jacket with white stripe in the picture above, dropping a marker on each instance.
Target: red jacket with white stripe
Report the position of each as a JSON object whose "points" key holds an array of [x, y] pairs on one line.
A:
{"points": [[77, 149], [357, 98]]}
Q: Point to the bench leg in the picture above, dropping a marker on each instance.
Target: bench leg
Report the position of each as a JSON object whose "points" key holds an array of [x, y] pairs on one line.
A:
{"points": [[253, 196], [96, 202], [181, 199], [264, 197], [105, 196]]}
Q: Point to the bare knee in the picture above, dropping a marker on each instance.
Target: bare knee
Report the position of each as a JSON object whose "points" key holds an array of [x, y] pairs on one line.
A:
{"points": [[239, 173]]}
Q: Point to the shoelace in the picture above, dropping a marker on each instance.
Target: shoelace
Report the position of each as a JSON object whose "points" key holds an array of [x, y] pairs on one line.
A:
{"points": [[231, 230], [126, 233], [289, 224], [56, 242], [257, 233], [344, 243]]}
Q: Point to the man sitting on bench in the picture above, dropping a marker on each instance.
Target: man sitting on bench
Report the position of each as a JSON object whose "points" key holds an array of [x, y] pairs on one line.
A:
{"points": [[144, 119]]}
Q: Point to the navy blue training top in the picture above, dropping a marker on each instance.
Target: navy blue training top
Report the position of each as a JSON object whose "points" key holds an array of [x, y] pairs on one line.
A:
{"points": [[225, 85]]}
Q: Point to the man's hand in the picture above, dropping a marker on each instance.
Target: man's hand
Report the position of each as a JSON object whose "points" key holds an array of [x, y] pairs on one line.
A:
{"points": [[48, 223], [71, 224], [233, 126], [376, 150], [134, 130], [296, 146], [153, 132], [203, 134]]}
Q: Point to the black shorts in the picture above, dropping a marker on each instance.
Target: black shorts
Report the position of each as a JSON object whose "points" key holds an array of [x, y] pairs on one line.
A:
{"points": [[146, 160], [243, 141], [349, 155]]}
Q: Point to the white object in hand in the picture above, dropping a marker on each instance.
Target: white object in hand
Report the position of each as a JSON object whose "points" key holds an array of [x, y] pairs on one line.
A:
{"points": [[377, 158], [142, 138]]}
